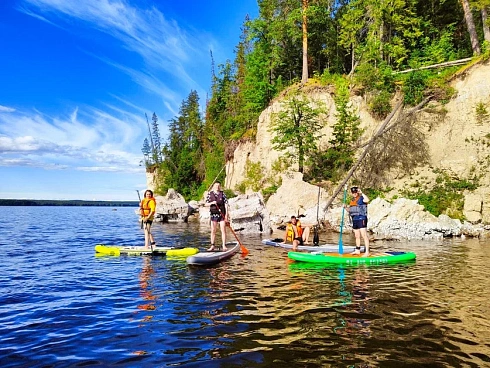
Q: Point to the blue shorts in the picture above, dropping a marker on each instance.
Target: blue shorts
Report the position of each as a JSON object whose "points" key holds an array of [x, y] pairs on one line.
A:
{"points": [[359, 224], [216, 217]]}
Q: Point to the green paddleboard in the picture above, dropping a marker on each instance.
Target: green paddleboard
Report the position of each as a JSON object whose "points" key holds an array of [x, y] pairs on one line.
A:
{"points": [[352, 259]]}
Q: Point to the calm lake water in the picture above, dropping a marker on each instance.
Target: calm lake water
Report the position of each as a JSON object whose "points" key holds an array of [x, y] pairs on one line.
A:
{"points": [[63, 306]]}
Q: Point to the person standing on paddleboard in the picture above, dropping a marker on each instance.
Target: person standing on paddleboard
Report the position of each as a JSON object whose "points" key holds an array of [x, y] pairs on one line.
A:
{"points": [[147, 210], [358, 212], [220, 213]]}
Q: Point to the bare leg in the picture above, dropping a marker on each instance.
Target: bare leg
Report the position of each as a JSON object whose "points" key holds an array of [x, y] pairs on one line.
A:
{"points": [[148, 236], [306, 234], [295, 245], [152, 240], [365, 236], [222, 225], [357, 233], [213, 234]]}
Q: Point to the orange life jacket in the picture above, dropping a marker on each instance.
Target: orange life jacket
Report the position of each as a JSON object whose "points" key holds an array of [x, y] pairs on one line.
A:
{"points": [[290, 231], [147, 204]]}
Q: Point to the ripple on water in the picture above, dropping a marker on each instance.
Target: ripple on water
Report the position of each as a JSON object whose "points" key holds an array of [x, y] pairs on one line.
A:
{"points": [[61, 306]]}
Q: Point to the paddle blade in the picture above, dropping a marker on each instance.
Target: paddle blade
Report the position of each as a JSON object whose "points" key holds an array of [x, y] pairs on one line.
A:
{"points": [[242, 247], [316, 237]]}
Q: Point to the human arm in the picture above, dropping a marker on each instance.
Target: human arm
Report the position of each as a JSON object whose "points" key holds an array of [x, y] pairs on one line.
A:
{"points": [[227, 208], [364, 196]]}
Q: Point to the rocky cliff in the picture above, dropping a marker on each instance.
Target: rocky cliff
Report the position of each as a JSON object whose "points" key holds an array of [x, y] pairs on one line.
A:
{"points": [[457, 137]]}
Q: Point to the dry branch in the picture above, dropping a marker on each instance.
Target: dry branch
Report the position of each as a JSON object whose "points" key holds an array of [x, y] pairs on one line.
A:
{"points": [[383, 128]]}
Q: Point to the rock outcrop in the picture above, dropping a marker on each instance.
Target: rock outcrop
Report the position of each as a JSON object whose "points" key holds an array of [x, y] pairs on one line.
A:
{"points": [[298, 198], [407, 219], [457, 137], [247, 212], [172, 207]]}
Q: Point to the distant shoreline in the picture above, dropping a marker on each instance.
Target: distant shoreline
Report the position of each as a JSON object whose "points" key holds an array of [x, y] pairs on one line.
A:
{"points": [[49, 202]]}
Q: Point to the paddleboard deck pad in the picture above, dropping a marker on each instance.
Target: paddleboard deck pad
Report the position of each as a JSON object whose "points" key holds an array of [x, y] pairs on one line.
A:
{"points": [[325, 248], [210, 258], [353, 259], [115, 250]]}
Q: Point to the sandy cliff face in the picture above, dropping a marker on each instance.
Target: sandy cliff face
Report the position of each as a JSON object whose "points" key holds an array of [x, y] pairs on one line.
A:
{"points": [[458, 142], [262, 151]]}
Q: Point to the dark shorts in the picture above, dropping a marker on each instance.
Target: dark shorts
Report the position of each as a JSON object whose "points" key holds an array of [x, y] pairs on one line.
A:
{"points": [[359, 224], [300, 239], [216, 217]]}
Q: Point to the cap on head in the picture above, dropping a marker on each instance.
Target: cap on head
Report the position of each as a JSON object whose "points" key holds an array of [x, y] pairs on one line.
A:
{"points": [[354, 189]]}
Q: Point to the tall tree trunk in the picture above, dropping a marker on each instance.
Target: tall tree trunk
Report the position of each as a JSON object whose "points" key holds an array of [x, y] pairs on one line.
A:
{"points": [[468, 16], [486, 27], [304, 76]]}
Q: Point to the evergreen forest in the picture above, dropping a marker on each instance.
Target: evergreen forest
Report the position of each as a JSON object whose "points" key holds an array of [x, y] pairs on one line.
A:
{"points": [[372, 48]]}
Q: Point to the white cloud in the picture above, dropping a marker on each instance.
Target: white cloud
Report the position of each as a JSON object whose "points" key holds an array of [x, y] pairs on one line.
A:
{"points": [[161, 43], [6, 109], [86, 138]]}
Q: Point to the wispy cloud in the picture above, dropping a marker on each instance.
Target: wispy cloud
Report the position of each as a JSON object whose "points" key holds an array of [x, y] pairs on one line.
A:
{"points": [[84, 139], [162, 43], [6, 109]]}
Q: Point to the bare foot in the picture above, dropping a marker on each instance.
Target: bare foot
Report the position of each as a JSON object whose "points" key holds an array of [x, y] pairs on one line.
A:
{"points": [[211, 248], [225, 249], [366, 254], [356, 252]]}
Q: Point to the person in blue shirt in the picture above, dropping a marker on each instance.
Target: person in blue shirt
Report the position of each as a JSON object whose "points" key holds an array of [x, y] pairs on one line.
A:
{"points": [[358, 213]]}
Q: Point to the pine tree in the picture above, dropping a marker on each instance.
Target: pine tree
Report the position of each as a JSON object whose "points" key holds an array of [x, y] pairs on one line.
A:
{"points": [[157, 142], [146, 149]]}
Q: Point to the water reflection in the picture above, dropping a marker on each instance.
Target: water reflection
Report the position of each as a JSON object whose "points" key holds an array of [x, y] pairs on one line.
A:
{"points": [[69, 308]]}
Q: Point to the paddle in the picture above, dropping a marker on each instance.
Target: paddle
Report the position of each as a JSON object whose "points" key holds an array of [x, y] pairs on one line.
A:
{"points": [[341, 245], [139, 197], [316, 237], [242, 247]]}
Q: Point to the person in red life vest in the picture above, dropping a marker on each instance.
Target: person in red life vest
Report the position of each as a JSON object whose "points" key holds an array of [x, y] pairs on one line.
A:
{"points": [[358, 213], [220, 213], [296, 233], [147, 210]]}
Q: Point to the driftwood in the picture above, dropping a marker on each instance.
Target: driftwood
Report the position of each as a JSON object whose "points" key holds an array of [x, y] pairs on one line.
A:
{"points": [[367, 146], [447, 63]]}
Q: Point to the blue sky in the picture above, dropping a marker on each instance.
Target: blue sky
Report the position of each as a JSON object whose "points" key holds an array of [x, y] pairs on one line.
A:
{"points": [[78, 76]]}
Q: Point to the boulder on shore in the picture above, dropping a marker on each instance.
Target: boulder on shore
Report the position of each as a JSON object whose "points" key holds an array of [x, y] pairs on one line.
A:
{"points": [[247, 213], [172, 207]]}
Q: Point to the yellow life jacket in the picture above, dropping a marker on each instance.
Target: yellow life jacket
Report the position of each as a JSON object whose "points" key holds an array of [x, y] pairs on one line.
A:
{"points": [[290, 231], [147, 206]]}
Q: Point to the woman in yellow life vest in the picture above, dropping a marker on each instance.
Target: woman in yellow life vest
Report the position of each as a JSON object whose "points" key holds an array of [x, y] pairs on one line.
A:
{"points": [[147, 210], [296, 233]]}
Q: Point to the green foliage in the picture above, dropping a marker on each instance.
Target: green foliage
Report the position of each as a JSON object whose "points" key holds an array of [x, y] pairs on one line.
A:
{"points": [[267, 192], [181, 168], [365, 39], [297, 127], [380, 105], [229, 193], [254, 175], [371, 78], [332, 163], [481, 112], [446, 197], [414, 87]]}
